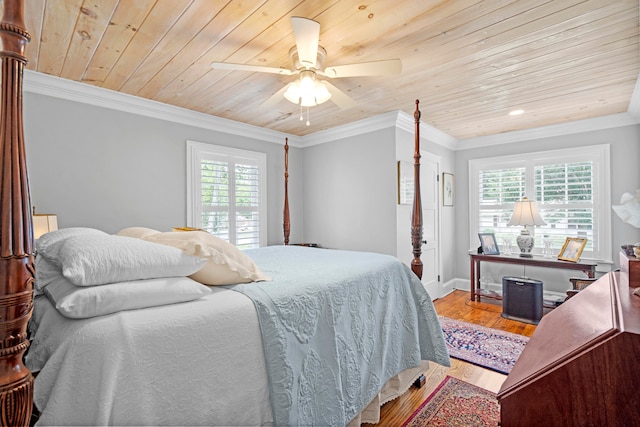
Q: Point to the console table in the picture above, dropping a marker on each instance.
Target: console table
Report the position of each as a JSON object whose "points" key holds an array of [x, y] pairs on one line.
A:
{"points": [[586, 266]]}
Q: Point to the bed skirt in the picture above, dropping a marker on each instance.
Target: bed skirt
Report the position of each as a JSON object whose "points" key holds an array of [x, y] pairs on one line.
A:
{"points": [[393, 389]]}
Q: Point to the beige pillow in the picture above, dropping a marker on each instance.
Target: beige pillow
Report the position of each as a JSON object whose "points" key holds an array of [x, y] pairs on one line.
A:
{"points": [[226, 264], [137, 232]]}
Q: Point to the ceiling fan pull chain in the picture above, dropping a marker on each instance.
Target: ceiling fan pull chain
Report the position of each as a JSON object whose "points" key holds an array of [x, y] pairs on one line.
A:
{"points": [[301, 117], [308, 122]]}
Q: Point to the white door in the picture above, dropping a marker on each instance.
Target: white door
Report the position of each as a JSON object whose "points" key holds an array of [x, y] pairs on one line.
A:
{"points": [[430, 185]]}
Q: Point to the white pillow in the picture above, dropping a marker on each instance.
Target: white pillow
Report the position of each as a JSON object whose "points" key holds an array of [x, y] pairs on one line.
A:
{"points": [[225, 264], [50, 242], [97, 259], [137, 232], [89, 301], [46, 272]]}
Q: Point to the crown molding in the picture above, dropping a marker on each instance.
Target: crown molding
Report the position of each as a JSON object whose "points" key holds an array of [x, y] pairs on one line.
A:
{"points": [[359, 127], [407, 122], [393, 119], [57, 87], [631, 117], [578, 126], [45, 84]]}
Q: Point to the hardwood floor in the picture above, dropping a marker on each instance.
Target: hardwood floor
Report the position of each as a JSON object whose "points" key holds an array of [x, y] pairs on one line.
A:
{"points": [[456, 306]]}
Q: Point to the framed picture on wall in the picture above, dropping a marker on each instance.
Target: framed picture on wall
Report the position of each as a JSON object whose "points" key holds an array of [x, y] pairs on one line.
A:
{"points": [[447, 189], [405, 183]]}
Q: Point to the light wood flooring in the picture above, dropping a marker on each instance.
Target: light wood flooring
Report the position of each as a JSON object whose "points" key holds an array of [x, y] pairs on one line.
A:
{"points": [[455, 306]]}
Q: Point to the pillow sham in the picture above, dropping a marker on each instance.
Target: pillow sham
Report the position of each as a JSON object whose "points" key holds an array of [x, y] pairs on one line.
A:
{"points": [[225, 263], [50, 242], [137, 232], [90, 301], [46, 272], [98, 259]]}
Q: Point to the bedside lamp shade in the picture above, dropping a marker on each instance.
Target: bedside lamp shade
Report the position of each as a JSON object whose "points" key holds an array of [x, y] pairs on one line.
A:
{"points": [[44, 223], [525, 214]]}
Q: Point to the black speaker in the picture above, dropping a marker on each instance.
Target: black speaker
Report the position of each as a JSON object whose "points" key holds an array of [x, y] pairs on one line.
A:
{"points": [[522, 299]]}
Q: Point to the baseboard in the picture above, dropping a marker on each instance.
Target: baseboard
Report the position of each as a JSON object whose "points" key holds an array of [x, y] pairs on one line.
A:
{"points": [[460, 284], [448, 287]]}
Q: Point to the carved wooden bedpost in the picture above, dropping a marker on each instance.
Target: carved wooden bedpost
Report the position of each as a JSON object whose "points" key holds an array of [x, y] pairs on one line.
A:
{"points": [[416, 215], [286, 223], [16, 228]]}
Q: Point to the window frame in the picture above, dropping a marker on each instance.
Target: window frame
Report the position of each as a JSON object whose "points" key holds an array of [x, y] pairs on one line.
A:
{"points": [[599, 155], [198, 151]]}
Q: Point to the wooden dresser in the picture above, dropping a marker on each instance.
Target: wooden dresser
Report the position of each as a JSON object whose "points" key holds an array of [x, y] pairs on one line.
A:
{"points": [[581, 367]]}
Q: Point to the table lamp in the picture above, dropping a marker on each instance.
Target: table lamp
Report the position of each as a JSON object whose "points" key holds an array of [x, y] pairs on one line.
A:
{"points": [[44, 223], [525, 214]]}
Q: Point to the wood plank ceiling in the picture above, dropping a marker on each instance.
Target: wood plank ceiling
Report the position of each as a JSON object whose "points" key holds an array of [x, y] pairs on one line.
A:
{"points": [[469, 62]]}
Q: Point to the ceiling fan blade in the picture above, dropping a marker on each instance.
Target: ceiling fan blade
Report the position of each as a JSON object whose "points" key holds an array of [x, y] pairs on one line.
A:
{"points": [[276, 97], [251, 68], [307, 33], [374, 68], [341, 99]]}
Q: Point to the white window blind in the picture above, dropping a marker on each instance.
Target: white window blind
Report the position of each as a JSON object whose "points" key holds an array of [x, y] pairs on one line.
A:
{"points": [[227, 193], [571, 188]]}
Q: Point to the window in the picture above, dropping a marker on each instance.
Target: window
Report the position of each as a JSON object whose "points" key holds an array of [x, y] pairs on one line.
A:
{"points": [[571, 188], [226, 191]]}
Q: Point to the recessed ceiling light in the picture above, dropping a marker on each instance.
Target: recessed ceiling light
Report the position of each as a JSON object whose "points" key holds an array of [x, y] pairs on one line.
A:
{"points": [[516, 112]]}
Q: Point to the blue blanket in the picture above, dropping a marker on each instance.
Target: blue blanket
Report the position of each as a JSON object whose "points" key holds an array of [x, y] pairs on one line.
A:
{"points": [[336, 326]]}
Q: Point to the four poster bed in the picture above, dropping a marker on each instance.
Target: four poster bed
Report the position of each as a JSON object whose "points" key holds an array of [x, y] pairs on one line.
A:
{"points": [[175, 328]]}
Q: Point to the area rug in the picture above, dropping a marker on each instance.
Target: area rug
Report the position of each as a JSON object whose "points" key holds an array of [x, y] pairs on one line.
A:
{"points": [[457, 403], [486, 347]]}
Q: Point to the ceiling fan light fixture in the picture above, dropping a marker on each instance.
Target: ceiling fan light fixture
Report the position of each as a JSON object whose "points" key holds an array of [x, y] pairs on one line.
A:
{"points": [[308, 100], [307, 91], [308, 58], [293, 92], [322, 94], [306, 83]]}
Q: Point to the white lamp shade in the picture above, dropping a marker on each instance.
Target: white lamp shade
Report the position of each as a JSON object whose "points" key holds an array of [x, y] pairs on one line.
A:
{"points": [[526, 213], [44, 223]]}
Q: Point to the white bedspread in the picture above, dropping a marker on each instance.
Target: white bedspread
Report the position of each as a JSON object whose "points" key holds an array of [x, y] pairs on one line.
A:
{"points": [[216, 337], [77, 386], [194, 363]]}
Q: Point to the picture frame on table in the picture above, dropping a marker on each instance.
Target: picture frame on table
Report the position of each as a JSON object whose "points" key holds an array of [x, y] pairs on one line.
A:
{"points": [[447, 189], [572, 249], [489, 244]]}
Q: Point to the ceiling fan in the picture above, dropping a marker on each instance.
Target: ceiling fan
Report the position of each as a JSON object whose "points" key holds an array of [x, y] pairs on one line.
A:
{"points": [[308, 59]]}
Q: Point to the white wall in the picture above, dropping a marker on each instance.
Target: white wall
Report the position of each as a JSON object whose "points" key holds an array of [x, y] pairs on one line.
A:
{"points": [[625, 177], [110, 169], [350, 192], [98, 167]]}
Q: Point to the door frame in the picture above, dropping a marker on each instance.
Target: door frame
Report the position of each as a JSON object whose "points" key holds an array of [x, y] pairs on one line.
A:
{"points": [[436, 160]]}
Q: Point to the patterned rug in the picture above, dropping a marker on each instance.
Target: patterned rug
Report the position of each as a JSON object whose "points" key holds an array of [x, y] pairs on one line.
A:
{"points": [[486, 347], [457, 403]]}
